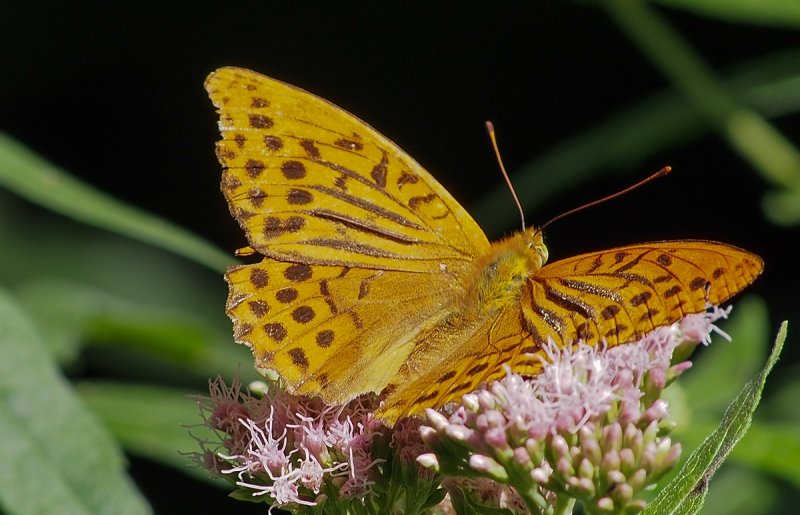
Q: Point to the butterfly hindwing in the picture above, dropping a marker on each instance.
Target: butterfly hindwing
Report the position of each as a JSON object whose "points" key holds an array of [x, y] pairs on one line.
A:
{"points": [[455, 364], [329, 330]]}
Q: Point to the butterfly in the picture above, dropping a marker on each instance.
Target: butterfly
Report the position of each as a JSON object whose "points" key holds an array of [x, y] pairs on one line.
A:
{"points": [[374, 279]]}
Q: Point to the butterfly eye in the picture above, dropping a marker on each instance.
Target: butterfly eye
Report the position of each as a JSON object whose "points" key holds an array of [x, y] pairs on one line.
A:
{"points": [[541, 250]]}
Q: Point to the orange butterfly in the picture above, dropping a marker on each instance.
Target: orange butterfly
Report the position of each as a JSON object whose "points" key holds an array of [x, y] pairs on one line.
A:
{"points": [[374, 279]]}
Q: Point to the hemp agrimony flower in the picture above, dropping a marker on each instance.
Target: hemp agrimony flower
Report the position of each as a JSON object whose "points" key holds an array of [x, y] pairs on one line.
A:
{"points": [[590, 428]]}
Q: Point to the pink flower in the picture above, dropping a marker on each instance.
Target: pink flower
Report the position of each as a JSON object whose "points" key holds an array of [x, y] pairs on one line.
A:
{"points": [[591, 426], [288, 447], [590, 423]]}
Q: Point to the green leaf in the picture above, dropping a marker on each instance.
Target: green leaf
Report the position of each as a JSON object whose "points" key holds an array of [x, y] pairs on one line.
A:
{"points": [[686, 493], [56, 458], [782, 402], [738, 490], [719, 371], [39, 181], [435, 498], [663, 121], [464, 503], [71, 314], [782, 206], [150, 421], [778, 13], [747, 132], [770, 448], [724, 367], [40, 245]]}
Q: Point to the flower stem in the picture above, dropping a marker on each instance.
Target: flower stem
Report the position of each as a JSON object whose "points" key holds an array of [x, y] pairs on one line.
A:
{"points": [[564, 505], [534, 500]]}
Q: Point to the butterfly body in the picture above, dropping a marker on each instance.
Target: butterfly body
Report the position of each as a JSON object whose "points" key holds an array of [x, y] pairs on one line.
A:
{"points": [[502, 272], [374, 279]]}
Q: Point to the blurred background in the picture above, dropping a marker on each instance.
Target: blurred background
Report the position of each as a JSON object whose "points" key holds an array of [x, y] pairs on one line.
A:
{"points": [[587, 97]]}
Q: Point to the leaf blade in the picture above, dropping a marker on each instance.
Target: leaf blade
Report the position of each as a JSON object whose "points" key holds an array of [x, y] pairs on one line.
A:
{"points": [[686, 493], [56, 457]]}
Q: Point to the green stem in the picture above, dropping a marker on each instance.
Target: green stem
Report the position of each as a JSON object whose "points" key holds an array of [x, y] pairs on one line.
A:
{"points": [[533, 500], [564, 505], [747, 132]]}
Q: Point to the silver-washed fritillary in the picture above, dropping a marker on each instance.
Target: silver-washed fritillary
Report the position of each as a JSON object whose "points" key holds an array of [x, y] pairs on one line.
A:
{"points": [[374, 279]]}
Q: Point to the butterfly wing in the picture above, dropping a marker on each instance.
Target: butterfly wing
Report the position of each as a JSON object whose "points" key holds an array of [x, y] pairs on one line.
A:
{"points": [[364, 249], [331, 330], [621, 294], [617, 295], [368, 258], [311, 183], [475, 356]]}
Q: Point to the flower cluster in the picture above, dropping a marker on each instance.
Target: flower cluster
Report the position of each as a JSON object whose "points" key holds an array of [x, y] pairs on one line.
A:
{"points": [[591, 427], [297, 453], [290, 448]]}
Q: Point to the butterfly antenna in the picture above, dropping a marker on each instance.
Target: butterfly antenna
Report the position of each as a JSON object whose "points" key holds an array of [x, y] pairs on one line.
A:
{"points": [[493, 138], [661, 173]]}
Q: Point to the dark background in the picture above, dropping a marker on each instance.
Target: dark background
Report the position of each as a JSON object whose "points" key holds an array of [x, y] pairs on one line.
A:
{"points": [[113, 94]]}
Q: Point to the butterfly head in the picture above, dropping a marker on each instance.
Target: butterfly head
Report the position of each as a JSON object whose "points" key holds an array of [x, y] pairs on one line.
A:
{"points": [[502, 272], [535, 248]]}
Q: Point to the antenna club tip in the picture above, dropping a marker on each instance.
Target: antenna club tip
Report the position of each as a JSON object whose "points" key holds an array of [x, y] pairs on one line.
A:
{"points": [[489, 126], [666, 169]]}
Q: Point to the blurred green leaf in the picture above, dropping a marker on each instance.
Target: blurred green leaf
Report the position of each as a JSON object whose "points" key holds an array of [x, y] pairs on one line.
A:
{"points": [[39, 245], [779, 13], [770, 84], [769, 448], [774, 156], [724, 367], [34, 178], [151, 421], [687, 491], [55, 457], [71, 314], [782, 207], [782, 402], [466, 503], [738, 490]]}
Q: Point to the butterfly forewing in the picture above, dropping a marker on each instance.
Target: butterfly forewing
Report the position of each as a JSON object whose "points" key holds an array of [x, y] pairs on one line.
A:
{"points": [[618, 295], [311, 183]]}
